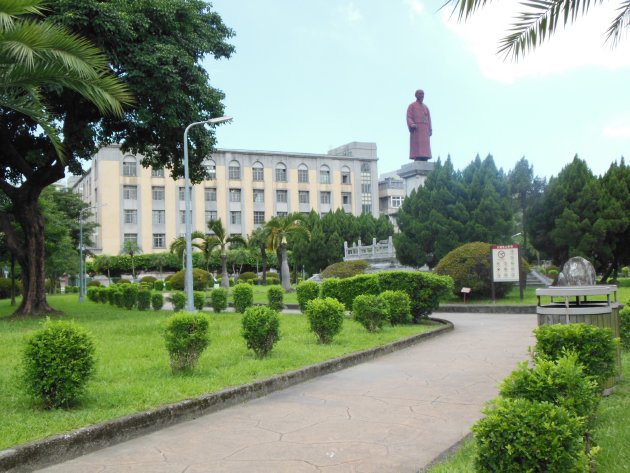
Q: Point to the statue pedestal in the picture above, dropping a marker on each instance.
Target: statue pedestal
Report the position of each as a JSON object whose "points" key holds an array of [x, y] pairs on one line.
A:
{"points": [[414, 174]]}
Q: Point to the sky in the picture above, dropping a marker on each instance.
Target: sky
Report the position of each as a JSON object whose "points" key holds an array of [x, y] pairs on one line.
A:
{"points": [[308, 76]]}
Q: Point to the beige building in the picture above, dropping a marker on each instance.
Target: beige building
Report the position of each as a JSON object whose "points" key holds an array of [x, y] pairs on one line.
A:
{"points": [[245, 189]]}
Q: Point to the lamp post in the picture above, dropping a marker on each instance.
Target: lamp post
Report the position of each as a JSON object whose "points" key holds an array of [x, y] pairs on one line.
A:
{"points": [[81, 263], [190, 307]]}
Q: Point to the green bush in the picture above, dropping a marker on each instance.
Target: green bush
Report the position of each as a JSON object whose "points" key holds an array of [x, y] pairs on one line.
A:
{"points": [[167, 285], [58, 361], [186, 337], [247, 276], [219, 299], [243, 295], [624, 326], [130, 295], [306, 291], [519, 435], [370, 311], [623, 282], [399, 305], [111, 294], [123, 281], [119, 299], [178, 299], [148, 280], [92, 294], [93, 283], [158, 285], [260, 329], [157, 301], [144, 298], [201, 279], [103, 294], [5, 288], [325, 317], [275, 298], [273, 279], [345, 269], [346, 290], [595, 347], [199, 299]]}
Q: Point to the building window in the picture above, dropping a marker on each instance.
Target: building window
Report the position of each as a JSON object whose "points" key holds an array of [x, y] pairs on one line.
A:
{"points": [[396, 201], [303, 197], [281, 173], [258, 173], [157, 172], [346, 198], [259, 195], [130, 192], [129, 167], [159, 217], [235, 218], [324, 175], [130, 216], [210, 194], [159, 240], [211, 215], [182, 217], [234, 170], [366, 188], [259, 218], [157, 192], [211, 170], [345, 175], [130, 237], [324, 197], [302, 173], [235, 195], [282, 214], [281, 196]]}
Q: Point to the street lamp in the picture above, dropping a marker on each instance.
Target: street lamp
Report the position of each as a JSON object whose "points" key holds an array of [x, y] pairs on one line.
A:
{"points": [[190, 307], [81, 263]]}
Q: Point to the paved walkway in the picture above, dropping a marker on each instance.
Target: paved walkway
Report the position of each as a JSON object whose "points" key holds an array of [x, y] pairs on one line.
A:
{"points": [[392, 414]]}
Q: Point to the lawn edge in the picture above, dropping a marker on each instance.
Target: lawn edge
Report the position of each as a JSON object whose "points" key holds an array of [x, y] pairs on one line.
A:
{"points": [[69, 445]]}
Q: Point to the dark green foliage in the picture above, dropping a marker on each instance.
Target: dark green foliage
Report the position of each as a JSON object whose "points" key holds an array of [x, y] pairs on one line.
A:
{"points": [[199, 299], [157, 301], [370, 311], [123, 281], [218, 299], [94, 283], [144, 298], [201, 279], [119, 299], [595, 347], [399, 306], [325, 317], [519, 435], [275, 298], [306, 291], [58, 361], [130, 295], [624, 327], [470, 266], [5, 288], [179, 300], [247, 276], [92, 293], [243, 295], [158, 285], [260, 329], [103, 295], [345, 269], [346, 290], [272, 279], [148, 279], [186, 338], [111, 294]]}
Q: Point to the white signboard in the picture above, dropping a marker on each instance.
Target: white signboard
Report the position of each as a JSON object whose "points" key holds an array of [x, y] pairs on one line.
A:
{"points": [[505, 263]]}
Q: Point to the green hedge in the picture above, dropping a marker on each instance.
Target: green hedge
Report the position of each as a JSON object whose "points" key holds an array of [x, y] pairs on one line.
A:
{"points": [[306, 291], [624, 327]]}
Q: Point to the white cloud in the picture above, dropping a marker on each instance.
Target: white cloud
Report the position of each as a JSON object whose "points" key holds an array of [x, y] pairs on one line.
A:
{"points": [[580, 44], [351, 13], [415, 7]]}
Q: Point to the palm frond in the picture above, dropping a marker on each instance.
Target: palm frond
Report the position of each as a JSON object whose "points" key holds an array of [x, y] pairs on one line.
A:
{"points": [[619, 24], [10, 9], [465, 8]]}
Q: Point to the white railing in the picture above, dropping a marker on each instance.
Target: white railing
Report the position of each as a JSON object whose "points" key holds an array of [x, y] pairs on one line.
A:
{"points": [[382, 250]]}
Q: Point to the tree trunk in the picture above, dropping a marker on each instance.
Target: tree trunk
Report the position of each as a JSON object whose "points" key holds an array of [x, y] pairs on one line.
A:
{"points": [[285, 274], [225, 279], [12, 279]]}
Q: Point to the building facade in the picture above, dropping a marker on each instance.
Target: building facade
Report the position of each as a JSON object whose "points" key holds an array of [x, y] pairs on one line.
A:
{"points": [[245, 190]]}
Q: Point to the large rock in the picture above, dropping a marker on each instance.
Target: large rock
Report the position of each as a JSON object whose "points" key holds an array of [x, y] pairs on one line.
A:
{"points": [[577, 272]]}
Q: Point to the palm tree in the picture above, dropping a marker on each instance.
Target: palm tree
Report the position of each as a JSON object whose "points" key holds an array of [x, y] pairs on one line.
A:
{"points": [[131, 248], [258, 240], [540, 20], [220, 240], [280, 229], [178, 245]]}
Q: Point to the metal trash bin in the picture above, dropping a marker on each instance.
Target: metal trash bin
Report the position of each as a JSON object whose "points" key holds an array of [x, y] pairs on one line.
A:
{"points": [[593, 305]]}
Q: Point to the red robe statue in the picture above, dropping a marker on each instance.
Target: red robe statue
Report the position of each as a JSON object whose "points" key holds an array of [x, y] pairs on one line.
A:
{"points": [[419, 124]]}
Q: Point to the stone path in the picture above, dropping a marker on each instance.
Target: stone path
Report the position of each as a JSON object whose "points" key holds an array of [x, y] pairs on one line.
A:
{"points": [[393, 414]]}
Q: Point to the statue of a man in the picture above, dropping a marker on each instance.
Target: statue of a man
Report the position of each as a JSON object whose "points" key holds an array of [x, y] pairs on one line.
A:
{"points": [[419, 124]]}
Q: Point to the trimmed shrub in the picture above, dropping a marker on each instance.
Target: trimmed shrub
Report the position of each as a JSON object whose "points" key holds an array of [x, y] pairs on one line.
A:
{"points": [[399, 306], [624, 326], [103, 294], [325, 317], [157, 301], [92, 293], [119, 299], [273, 279], [345, 269], [167, 285], [243, 295], [93, 283], [201, 279], [148, 280], [260, 329], [306, 291], [519, 435], [275, 298], [247, 276], [199, 299], [58, 361], [158, 285], [130, 295], [219, 299], [186, 337], [144, 298], [179, 300], [370, 311], [111, 294], [595, 347], [346, 290], [124, 281]]}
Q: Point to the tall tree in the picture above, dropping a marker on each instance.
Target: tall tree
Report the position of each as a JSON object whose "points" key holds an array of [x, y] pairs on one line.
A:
{"points": [[131, 249], [280, 231], [221, 240], [178, 247], [43, 62], [258, 241]]}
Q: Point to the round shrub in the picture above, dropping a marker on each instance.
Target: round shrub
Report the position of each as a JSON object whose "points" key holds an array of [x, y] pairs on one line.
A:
{"points": [[201, 279], [124, 281], [243, 295], [520, 435], [148, 280], [130, 295], [158, 285], [325, 317], [92, 293], [58, 361], [399, 305], [260, 327], [219, 299], [199, 299], [273, 279], [111, 294], [103, 294], [306, 291], [119, 299], [157, 301], [247, 276], [470, 266], [179, 300], [186, 337], [94, 283], [275, 298], [345, 269], [144, 298], [624, 327], [370, 311]]}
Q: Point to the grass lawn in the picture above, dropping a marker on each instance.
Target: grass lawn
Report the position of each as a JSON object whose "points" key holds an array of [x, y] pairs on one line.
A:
{"points": [[260, 295], [612, 434], [132, 369]]}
